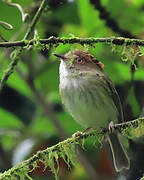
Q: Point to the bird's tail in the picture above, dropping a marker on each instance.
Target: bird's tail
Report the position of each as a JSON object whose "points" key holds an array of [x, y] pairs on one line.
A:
{"points": [[120, 157]]}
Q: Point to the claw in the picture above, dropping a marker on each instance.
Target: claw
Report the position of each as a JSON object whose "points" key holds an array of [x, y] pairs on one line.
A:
{"points": [[111, 126]]}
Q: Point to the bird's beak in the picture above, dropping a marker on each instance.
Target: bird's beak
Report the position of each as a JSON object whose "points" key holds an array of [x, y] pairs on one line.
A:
{"points": [[60, 56]]}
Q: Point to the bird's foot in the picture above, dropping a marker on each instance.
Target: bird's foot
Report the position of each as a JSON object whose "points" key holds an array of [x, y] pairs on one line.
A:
{"points": [[111, 126]]}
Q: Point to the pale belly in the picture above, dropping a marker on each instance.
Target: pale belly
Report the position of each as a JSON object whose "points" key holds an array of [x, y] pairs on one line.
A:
{"points": [[90, 105]]}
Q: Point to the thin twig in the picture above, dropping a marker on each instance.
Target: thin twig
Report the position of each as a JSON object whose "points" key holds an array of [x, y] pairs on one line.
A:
{"points": [[35, 19], [10, 69], [110, 22], [15, 59], [56, 40], [133, 124], [25, 165]]}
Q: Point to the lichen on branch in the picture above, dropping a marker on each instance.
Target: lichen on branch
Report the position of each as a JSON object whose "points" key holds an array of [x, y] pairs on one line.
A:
{"points": [[72, 40], [66, 150]]}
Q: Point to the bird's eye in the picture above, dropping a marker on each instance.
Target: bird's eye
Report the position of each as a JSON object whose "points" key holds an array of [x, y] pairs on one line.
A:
{"points": [[80, 61]]}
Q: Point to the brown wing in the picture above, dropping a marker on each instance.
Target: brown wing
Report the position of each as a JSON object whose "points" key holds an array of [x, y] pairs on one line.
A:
{"points": [[115, 97]]}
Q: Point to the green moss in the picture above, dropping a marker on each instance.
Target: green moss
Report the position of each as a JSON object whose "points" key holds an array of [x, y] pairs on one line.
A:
{"points": [[67, 150], [139, 131], [28, 177], [140, 50], [134, 130], [14, 53], [51, 162]]}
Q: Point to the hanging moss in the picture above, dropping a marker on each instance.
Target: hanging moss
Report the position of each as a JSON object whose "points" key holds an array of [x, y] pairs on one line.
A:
{"points": [[29, 178], [67, 150], [134, 130], [139, 131], [128, 50], [141, 50], [51, 163]]}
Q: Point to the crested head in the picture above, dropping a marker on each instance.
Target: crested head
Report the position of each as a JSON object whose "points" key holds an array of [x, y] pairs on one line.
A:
{"points": [[82, 58], [78, 61]]}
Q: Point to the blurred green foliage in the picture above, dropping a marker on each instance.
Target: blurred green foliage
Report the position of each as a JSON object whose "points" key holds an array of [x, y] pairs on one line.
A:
{"points": [[23, 116]]}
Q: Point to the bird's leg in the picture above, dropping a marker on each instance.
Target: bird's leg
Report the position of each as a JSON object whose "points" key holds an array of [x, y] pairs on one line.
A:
{"points": [[111, 126]]}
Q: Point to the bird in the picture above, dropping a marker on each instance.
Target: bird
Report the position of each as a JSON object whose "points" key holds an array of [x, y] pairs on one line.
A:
{"points": [[90, 97]]}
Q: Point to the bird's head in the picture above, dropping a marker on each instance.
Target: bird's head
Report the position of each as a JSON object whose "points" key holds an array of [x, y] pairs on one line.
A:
{"points": [[79, 60]]}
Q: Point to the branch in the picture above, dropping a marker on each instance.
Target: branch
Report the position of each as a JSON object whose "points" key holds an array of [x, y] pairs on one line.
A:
{"points": [[11, 67], [65, 149], [110, 22], [90, 41], [16, 58], [35, 19]]}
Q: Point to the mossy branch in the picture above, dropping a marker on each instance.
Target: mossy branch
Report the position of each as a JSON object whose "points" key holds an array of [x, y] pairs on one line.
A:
{"points": [[56, 40], [65, 149], [9, 70], [72, 40]]}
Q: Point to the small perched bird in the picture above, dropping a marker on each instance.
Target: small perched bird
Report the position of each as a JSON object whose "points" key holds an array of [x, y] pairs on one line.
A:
{"points": [[91, 99]]}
